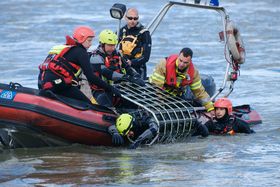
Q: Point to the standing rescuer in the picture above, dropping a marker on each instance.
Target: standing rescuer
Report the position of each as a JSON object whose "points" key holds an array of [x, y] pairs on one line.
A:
{"points": [[64, 63], [135, 42]]}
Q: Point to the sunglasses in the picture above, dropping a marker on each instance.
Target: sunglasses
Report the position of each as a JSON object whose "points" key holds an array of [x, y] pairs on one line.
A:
{"points": [[133, 18]]}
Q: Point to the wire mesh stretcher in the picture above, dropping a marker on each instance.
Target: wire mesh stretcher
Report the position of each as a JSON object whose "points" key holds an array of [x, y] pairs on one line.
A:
{"points": [[174, 116]]}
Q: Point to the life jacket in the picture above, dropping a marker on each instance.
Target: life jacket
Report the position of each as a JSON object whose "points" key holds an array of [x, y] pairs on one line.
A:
{"points": [[227, 129], [129, 45], [56, 63], [112, 62], [171, 75]]}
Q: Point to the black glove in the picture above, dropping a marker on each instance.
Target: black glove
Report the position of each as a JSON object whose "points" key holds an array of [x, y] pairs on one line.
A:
{"points": [[117, 139], [134, 79], [115, 91], [202, 130], [134, 145]]}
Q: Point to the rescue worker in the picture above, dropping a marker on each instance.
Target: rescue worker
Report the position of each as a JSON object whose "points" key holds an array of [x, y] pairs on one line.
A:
{"points": [[141, 127], [135, 42], [59, 71], [225, 122], [176, 72], [108, 64]]}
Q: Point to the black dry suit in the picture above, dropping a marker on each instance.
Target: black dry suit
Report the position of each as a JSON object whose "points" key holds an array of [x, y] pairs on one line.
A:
{"points": [[228, 125], [139, 40], [144, 129]]}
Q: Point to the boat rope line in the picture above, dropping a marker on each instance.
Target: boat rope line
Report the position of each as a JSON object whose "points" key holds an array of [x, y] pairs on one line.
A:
{"points": [[174, 116], [53, 114]]}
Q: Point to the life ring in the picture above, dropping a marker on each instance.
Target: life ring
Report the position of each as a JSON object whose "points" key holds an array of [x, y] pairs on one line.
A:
{"points": [[235, 43]]}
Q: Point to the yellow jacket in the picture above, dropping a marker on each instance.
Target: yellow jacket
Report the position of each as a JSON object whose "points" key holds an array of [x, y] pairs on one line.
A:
{"points": [[159, 78]]}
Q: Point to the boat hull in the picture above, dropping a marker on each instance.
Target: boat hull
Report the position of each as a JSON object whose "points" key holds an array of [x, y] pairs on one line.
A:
{"points": [[28, 110]]}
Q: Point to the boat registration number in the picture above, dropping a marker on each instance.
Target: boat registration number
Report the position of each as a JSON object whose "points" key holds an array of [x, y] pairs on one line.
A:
{"points": [[7, 94]]}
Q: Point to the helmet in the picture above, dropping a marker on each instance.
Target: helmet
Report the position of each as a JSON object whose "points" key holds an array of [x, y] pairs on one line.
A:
{"points": [[108, 37], [82, 33], [224, 103], [124, 123]]}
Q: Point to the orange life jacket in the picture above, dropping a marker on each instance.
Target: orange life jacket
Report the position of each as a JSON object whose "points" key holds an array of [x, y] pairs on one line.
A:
{"points": [[171, 75]]}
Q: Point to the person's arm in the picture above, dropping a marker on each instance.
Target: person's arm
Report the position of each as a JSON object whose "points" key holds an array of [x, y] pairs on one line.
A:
{"points": [[147, 45], [147, 134], [241, 126], [199, 92], [121, 34], [158, 76], [201, 130], [97, 63], [83, 59], [117, 139], [210, 125]]}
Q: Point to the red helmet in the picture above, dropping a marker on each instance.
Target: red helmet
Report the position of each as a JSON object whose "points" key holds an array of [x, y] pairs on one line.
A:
{"points": [[224, 103], [82, 33]]}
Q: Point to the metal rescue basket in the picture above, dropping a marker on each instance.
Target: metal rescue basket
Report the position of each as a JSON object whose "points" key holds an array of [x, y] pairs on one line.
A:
{"points": [[174, 116]]}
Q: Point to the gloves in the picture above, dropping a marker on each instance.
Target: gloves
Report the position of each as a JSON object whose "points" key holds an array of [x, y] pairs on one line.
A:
{"points": [[202, 130], [134, 79], [134, 145], [117, 139], [115, 91]]}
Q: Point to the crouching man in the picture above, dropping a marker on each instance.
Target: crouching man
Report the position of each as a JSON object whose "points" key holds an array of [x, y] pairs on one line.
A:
{"points": [[141, 128]]}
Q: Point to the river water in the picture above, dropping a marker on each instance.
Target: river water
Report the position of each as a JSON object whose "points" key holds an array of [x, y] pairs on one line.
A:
{"points": [[30, 28]]}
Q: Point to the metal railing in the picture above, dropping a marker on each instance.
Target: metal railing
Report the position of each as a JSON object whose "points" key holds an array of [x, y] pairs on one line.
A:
{"points": [[174, 116], [152, 26]]}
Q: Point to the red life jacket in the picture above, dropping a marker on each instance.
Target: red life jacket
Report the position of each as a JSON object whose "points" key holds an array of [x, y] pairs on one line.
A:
{"points": [[60, 66], [171, 75], [113, 63]]}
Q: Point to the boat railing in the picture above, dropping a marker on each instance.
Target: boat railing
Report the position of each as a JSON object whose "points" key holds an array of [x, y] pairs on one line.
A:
{"points": [[152, 26]]}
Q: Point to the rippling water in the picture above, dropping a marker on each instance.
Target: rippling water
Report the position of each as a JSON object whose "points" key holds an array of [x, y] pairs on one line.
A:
{"points": [[28, 30]]}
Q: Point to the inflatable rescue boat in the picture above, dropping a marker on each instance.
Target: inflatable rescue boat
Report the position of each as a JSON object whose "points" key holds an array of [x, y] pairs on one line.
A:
{"points": [[30, 120]]}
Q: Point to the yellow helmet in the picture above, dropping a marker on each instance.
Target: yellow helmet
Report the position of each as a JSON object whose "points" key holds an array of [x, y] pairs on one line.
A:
{"points": [[108, 37], [124, 123]]}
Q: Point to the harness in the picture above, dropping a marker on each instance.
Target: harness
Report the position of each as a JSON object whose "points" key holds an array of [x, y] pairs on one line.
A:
{"points": [[129, 45], [57, 64], [173, 80]]}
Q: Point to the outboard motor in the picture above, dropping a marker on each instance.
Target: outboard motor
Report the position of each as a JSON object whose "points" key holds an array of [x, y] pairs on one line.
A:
{"points": [[208, 83]]}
